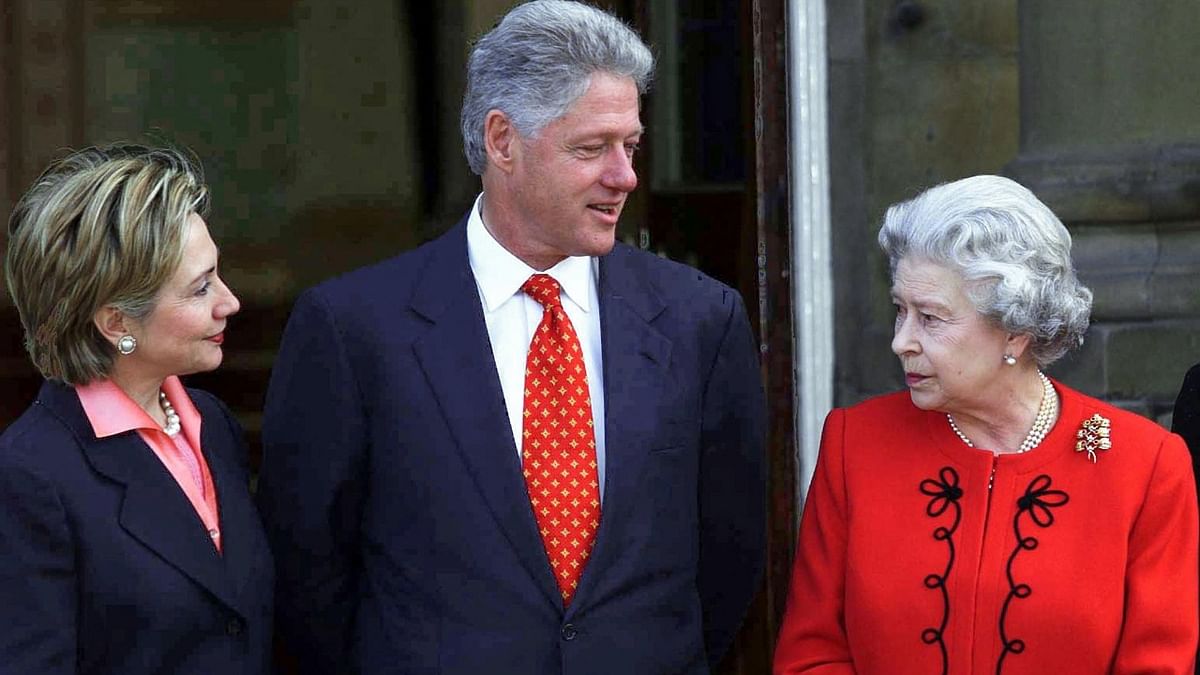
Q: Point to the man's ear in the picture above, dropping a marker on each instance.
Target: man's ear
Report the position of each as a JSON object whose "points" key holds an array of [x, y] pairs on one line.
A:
{"points": [[501, 140], [112, 323]]}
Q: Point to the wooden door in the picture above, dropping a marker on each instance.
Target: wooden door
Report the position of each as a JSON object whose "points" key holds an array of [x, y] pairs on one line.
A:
{"points": [[714, 194]]}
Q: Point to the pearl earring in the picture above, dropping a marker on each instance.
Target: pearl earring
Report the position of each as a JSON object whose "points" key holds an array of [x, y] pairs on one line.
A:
{"points": [[126, 345], [1010, 360]]}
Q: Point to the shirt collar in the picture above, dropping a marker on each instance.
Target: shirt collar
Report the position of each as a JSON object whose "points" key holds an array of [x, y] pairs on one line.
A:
{"points": [[110, 411], [500, 274]]}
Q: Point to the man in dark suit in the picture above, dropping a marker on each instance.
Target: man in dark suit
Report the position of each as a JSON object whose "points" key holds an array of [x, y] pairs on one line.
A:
{"points": [[521, 448], [1186, 422]]}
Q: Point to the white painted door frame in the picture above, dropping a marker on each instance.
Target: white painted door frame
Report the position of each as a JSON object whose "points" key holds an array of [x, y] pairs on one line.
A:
{"points": [[812, 275]]}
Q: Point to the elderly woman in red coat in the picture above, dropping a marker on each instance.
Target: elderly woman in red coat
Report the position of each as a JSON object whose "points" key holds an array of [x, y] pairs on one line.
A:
{"points": [[990, 519]]}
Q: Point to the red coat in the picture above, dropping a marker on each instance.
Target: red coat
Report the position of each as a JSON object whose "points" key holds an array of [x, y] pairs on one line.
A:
{"points": [[908, 563]]}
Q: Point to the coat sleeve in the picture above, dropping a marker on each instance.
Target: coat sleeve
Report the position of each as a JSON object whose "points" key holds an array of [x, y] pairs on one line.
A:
{"points": [[311, 488], [37, 577], [812, 638], [1162, 609], [732, 484]]}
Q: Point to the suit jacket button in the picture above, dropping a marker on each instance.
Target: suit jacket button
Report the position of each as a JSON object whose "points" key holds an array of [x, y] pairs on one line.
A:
{"points": [[234, 627], [568, 632]]}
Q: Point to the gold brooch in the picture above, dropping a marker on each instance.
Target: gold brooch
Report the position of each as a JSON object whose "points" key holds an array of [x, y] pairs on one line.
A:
{"points": [[1093, 435]]}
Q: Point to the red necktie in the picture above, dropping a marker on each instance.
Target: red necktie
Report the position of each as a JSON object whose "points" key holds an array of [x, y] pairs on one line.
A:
{"points": [[558, 450]]}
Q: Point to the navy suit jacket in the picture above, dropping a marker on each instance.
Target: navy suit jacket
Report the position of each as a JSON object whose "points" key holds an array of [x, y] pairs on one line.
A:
{"points": [[106, 568], [1186, 422], [1186, 419], [395, 503]]}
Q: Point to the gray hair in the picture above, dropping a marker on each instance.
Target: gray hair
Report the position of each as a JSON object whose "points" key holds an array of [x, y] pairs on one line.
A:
{"points": [[1014, 253], [538, 61]]}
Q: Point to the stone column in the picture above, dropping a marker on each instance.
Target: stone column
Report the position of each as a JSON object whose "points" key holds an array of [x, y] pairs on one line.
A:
{"points": [[355, 196], [357, 97], [1110, 140]]}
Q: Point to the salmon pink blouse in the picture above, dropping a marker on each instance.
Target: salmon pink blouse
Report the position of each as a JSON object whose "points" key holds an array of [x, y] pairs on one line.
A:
{"points": [[111, 411]]}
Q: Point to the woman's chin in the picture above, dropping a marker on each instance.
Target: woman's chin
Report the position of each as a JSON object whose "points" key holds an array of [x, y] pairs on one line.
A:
{"points": [[207, 365], [214, 358], [924, 400]]}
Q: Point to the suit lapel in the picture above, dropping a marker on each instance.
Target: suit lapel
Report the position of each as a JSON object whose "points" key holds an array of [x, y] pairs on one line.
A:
{"points": [[154, 509], [238, 519], [636, 358], [456, 357]]}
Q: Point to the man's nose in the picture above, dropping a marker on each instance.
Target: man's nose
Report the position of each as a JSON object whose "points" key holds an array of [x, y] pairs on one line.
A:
{"points": [[619, 173]]}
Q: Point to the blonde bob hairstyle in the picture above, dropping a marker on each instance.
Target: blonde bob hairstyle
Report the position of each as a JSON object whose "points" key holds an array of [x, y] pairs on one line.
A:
{"points": [[101, 227]]}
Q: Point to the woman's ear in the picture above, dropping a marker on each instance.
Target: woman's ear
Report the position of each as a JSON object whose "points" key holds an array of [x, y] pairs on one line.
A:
{"points": [[1017, 344], [112, 323]]}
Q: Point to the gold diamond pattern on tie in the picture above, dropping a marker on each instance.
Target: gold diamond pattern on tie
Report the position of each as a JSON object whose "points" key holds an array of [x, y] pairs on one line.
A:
{"points": [[558, 447]]}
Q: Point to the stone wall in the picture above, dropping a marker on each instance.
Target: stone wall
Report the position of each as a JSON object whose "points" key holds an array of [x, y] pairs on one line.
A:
{"points": [[920, 93], [1089, 103], [307, 116], [1110, 140]]}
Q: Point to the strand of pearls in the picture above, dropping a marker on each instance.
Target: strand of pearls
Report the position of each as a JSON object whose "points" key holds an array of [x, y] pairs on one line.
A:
{"points": [[172, 426], [1042, 423]]}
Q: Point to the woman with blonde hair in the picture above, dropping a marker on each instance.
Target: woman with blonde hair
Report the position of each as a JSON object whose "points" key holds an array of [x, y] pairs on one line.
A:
{"points": [[128, 540]]}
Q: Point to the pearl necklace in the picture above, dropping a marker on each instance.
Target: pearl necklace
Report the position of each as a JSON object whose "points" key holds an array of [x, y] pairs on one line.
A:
{"points": [[1042, 423], [172, 426]]}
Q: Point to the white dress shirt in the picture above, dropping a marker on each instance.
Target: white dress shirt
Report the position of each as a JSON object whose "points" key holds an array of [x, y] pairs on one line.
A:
{"points": [[512, 317]]}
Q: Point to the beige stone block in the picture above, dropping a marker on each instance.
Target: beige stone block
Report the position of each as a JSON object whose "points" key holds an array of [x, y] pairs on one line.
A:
{"points": [[949, 29], [1140, 271], [1135, 361], [934, 121], [1114, 183], [1102, 72]]}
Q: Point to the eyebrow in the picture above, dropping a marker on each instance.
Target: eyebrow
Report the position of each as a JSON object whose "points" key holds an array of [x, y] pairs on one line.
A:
{"points": [[925, 303], [203, 274], [211, 269], [590, 136]]}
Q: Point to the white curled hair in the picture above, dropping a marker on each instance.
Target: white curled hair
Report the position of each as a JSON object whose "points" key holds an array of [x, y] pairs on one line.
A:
{"points": [[1012, 252]]}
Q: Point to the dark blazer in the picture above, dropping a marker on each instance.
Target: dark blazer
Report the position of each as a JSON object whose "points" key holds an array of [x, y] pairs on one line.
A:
{"points": [[394, 499], [1186, 423], [1186, 420], [106, 568]]}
